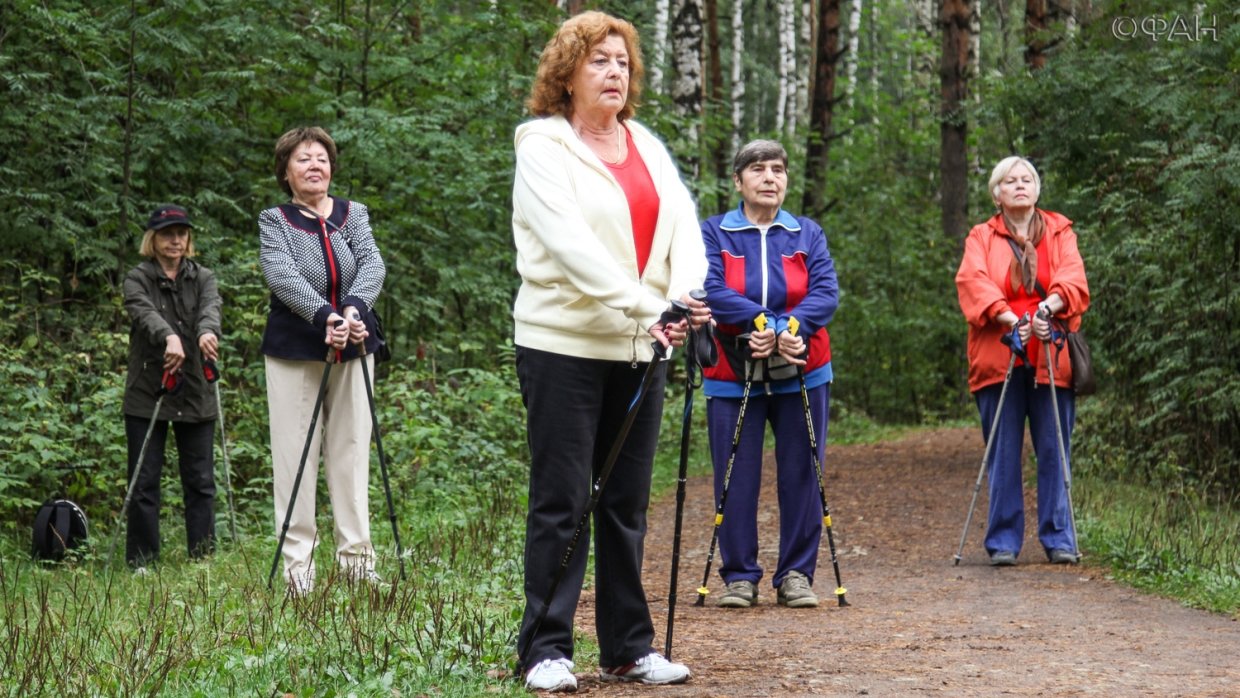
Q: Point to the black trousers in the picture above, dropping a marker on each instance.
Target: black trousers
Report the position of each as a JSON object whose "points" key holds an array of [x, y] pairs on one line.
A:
{"points": [[575, 408], [196, 461]]}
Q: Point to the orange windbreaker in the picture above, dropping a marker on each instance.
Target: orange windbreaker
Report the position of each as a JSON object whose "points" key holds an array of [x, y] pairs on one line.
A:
{"points": [[980, 282]]}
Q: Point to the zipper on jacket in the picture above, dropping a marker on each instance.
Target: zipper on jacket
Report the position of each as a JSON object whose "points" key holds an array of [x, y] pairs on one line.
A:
{"points": [[765, 274], [333, 274]]}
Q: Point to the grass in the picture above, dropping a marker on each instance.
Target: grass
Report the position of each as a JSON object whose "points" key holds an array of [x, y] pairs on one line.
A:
{"points": [[214, 628], [1173, 543]]}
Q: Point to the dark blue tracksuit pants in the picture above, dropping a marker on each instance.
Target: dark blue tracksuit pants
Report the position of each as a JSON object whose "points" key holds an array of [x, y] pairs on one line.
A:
{"points": [[1027, 401], [800, 504], [574, 410]]}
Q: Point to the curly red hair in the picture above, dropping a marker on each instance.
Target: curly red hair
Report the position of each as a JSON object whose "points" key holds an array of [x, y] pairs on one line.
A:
{"points": [[568, 49]]}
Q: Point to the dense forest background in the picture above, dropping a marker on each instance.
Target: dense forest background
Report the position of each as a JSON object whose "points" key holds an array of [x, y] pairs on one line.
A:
{"points": [[894, 113]]}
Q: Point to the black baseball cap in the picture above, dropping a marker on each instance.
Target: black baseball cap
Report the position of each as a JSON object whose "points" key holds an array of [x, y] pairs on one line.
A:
{"points": [[165, 215]]}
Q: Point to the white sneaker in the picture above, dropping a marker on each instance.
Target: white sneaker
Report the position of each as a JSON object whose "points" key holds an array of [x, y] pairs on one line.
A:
{"points": [[651, 669], [554, 675]]}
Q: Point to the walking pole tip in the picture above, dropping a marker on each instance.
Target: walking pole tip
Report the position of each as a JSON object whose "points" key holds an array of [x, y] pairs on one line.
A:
{"points": [[839, 593]]}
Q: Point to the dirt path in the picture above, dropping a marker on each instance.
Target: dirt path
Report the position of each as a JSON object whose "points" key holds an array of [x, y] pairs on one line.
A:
{"points": [[917, 624]]}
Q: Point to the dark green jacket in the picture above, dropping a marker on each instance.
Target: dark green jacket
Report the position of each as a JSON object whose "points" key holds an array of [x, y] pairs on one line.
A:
{"points": [[159, 306]]}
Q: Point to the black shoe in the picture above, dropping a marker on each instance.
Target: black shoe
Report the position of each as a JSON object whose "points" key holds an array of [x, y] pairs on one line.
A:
{"points": [[1002, 558], [1062, 557]]}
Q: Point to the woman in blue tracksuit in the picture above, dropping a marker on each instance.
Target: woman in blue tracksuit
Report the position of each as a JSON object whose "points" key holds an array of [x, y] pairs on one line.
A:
{"points": [[767, 263]]}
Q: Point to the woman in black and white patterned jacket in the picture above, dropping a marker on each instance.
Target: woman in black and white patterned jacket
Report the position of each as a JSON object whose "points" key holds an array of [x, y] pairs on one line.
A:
{"points": [[325, 274]]}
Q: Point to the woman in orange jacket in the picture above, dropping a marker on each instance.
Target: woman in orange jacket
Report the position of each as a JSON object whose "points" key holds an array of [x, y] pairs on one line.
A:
{"points": [[1023, 262]]}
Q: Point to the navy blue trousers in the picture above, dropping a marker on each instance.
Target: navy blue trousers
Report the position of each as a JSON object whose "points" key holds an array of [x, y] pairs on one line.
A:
{"points": [[1027, 402], [574, 410], [800, 503], [196, 463]]}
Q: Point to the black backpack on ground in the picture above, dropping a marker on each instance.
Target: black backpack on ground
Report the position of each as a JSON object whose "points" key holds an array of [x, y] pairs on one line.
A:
{"points": [[59, 526]]}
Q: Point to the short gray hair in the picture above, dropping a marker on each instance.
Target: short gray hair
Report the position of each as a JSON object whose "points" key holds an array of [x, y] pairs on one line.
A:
{"points": [[758, 151], [1004, 167]]}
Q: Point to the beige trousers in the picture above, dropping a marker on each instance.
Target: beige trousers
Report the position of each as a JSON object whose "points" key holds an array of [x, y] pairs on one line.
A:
{"points": [[342, 438]]}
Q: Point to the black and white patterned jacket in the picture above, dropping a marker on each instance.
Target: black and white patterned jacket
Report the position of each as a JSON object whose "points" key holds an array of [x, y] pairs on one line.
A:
{"points": [[313, 270]]}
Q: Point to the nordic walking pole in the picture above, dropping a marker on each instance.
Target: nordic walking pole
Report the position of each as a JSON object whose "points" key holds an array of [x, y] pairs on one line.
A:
{"points": [[387, 487], [840, 591], [760, 323], [212, 373], [167, 384], [692, 381], [301, 467], [1057, 340], [677, 311], [1011, 339]]}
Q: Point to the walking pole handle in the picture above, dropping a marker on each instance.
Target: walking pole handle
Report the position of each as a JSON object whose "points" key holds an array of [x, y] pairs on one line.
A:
{"points": [[361, 346], [169, 384], [210, 371]]}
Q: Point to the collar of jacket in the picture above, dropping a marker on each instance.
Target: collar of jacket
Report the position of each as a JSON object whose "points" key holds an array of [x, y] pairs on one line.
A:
{"points": [[1055, 222], [150, 267], [558, 128], [735, 220]]}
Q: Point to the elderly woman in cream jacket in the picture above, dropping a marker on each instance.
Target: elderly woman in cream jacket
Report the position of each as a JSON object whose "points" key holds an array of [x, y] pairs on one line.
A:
{"points": [[606, 236]]}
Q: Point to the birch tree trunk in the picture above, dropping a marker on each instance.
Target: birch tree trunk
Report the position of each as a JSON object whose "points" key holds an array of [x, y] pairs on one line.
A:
{"points": [[714, 76], [854, 44], [658, 53], [738, 73], [874, 62], [787, 66], [687, 85], [975, 42], [805, 62], [953, 127], [822, 105]]}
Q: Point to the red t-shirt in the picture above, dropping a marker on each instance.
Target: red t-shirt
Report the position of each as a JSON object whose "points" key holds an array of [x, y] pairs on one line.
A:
{"points": [[1021, 301], [643, 199]]}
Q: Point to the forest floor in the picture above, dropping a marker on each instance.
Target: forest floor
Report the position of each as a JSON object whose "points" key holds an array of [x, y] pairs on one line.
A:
{"points": [[916, 623]]}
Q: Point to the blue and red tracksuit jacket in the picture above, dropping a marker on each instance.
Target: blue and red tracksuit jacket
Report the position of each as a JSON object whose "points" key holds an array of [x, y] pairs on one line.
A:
{"points": [[783, 273]]}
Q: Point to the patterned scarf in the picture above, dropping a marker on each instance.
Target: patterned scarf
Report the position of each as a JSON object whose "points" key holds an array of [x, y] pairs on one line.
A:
{"points": [[1025, 272]]}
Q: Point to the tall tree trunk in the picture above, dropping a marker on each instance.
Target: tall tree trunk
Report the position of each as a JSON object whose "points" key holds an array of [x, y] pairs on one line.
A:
{"points": [[658, 56], [687, 86], [787, 66], [854, 44], [874, 63], [822, 106], [953, 126], [714, 73], [127, 152], [738, 73], [975, 42], [1035, 34], [805, 59]]}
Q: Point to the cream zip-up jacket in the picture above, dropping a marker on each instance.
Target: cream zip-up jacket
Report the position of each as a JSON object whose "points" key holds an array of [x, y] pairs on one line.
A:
{"points": [[580, 291]]}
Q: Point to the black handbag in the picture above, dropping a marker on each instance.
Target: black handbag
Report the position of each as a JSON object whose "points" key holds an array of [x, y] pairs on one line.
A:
{"points": [[1083, 382], [384, 352]]}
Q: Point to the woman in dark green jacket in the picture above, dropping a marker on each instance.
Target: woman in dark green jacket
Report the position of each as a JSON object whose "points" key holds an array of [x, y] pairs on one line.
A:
{"points": [[174, 306]]}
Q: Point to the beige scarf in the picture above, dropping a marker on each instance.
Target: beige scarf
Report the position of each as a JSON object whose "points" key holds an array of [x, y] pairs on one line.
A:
{"points": [[1025, 272]]}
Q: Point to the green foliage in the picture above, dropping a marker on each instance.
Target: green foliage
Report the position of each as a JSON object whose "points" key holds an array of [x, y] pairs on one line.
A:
{"points": [[1144, 156], [457, 460], [1175, 543]]}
